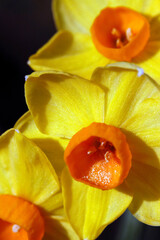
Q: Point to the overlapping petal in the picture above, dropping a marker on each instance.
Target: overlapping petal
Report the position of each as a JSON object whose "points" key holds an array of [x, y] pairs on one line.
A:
{"points": [[77, 55], [58, 106], [145, 181], [77, 16], [149, 59], [138, 115], [154, 27], [22, 178], [125, 90], [59, 228], [26, 172], [147, 115], [53, 147], [89, 209]]}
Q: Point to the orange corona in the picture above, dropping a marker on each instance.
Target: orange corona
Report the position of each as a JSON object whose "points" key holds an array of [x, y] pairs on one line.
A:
{"points": [[19, 219], [120, 33], [99, 156]]}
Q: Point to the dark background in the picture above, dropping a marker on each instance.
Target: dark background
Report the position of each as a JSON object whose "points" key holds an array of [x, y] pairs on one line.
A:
{"points": [[25, 25]]}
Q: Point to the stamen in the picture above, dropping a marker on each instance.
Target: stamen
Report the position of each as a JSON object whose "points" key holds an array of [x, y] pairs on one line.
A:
{"points": [[102, 145], [115, 33], [119, 44], [15, 228], [92, 150], [129, 34], [107, 156]]}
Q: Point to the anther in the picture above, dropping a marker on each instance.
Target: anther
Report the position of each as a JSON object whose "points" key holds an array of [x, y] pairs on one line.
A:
{"points": [[92, 150], [102, 145], [119, 44], [129, 34], [115, 33], [107, 156], [15, 228]]}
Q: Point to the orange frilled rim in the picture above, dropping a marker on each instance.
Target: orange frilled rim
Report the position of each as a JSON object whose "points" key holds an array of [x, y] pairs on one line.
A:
{"points": [[120, 33], [99, 156], [19, 219]]}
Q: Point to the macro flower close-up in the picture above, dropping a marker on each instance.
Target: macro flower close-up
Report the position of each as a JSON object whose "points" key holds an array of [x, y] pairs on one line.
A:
{"points": [[111, 128], [31, 206], [80, 120], [100, 32]]}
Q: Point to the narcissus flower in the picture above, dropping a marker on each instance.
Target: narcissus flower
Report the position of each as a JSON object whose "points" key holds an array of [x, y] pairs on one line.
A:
{"points": [[95, 33], [112, 128], [31, 206]]}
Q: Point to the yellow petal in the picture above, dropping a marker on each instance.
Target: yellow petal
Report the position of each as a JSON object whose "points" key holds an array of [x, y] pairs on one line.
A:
{"points": [[25, 170], [59, 228], [149, 8], [145, 181], [145, 124], [124, 91], [62, 104], [154, 28], [78, 55], [53, 204], [149, 60], [52, 147], [90, 209], [77, 16]]}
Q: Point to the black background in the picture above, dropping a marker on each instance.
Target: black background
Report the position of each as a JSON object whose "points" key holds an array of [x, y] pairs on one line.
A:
{"points": [[25, 25]]}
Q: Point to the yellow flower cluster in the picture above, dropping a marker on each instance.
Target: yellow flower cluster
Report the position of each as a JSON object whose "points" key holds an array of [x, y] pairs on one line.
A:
{"points": [[89, 146]]}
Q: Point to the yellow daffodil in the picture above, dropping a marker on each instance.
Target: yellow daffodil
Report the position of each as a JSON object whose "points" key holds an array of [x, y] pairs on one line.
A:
{"points": [[112, 128], [30, 194], [96, 33]]}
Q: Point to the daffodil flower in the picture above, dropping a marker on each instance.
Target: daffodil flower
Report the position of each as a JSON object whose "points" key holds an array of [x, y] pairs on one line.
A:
{"points": [[112, 128], [96, 33], [31, 206]]}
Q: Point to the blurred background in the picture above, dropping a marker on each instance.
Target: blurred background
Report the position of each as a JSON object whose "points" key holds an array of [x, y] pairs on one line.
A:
{"points": [[25, 25]]}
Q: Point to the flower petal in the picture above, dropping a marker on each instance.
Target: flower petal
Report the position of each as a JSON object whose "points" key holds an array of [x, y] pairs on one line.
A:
{"points": [[61, 104], [149, 7], [53, 203], [89, 209], [78, 55], [77, 16], [145, 181], [124, 91], [74, 15], [59, 228], [145, 125], [154, 28], [24, 169], [149, 60], [52, 147]]}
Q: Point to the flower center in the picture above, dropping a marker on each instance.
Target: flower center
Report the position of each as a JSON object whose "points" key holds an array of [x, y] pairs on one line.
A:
{"points": [[120, 33], [121, 39], [19, 219], [99, 156]]}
